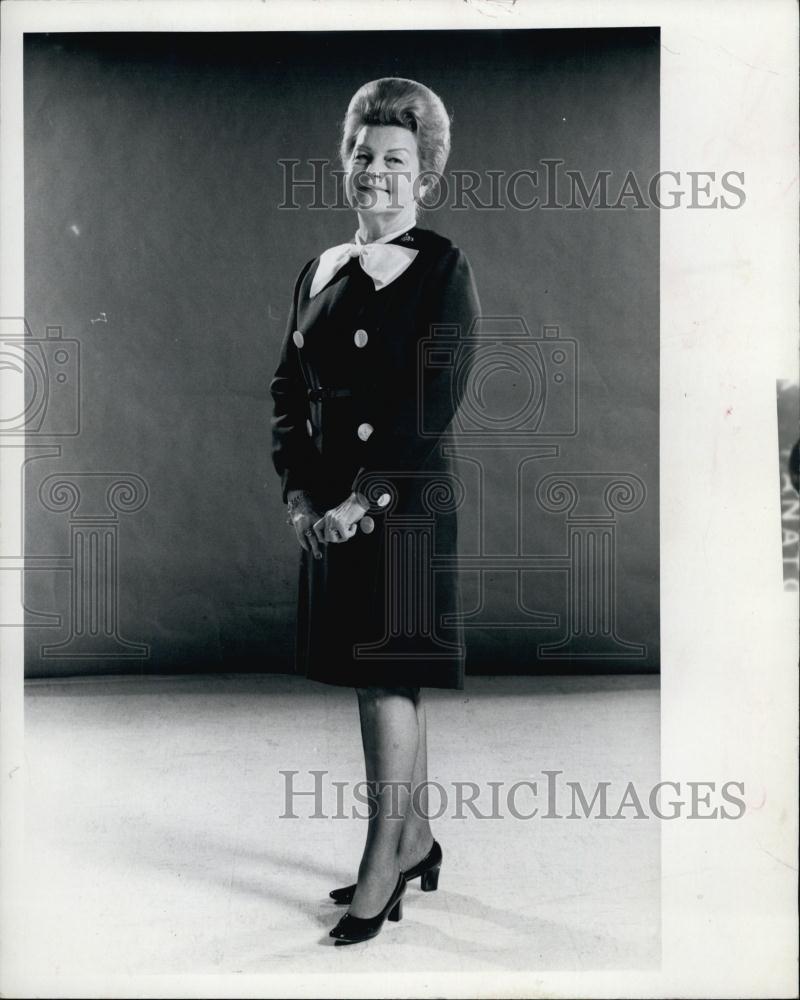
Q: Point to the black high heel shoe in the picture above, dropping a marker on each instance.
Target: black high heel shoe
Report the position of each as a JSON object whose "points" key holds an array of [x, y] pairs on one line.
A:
{"points": [[426, 870], [353, 930]]}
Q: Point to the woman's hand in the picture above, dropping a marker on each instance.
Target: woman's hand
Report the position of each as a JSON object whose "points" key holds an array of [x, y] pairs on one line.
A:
{"points": [[340, 523], [303, 519]]}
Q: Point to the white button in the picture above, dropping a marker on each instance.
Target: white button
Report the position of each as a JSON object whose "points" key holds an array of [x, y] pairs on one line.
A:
{"points": [[383, 499], [361, 338], [364, 431], [298, 339], [309, 428], [367, 524]]}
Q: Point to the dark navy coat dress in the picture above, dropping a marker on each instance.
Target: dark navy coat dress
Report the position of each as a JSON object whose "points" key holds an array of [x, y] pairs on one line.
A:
{"points": [[368, 382]]}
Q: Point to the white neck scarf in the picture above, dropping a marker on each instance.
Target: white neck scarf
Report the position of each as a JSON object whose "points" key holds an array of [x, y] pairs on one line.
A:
{"points": [[382, 261]]}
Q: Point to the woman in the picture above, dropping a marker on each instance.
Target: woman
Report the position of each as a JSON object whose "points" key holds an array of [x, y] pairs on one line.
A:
{"points": [[359, 411]]}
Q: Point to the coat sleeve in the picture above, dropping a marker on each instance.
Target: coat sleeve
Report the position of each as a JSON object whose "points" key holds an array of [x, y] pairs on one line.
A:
{"points": [[293, 454], [418, 414]]}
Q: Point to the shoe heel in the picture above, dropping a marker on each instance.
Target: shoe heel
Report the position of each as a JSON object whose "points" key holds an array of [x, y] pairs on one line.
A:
{"points": [[396, 912], [430, 880]]}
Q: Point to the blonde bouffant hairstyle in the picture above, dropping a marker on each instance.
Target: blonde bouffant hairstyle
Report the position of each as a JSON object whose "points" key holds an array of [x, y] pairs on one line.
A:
{"points": [[393, 100]]}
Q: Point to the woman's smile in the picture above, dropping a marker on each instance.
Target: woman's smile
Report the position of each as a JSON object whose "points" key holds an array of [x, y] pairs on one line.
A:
{"points": [[369, 185]]}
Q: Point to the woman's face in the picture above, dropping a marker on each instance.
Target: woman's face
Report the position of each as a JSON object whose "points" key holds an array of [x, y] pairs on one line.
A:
{"points": [[382, 171]]}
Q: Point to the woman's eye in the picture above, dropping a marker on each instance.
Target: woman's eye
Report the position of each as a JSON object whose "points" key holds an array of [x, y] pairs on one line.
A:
{"points": [[392, 159]]}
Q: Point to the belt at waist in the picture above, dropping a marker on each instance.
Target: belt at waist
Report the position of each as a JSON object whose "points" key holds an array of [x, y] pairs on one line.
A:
{"points": [[315, 395]]}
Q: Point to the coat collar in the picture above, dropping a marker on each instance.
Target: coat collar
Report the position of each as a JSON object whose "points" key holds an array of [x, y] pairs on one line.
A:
{"points": [[402, 236]]}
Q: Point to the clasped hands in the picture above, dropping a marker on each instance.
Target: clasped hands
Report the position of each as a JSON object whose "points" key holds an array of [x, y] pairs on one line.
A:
{"points": [[336, 525]]}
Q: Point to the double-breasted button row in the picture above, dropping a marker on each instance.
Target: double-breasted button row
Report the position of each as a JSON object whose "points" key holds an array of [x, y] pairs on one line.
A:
{"points": [[360, 337]]}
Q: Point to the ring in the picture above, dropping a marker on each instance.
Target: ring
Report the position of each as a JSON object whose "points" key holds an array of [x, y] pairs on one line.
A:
{"points": [[308, 531]]}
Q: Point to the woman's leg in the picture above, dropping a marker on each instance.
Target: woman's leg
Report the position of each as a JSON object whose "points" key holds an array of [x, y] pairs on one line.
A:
{"points": [[390, 735], [416, 839]]}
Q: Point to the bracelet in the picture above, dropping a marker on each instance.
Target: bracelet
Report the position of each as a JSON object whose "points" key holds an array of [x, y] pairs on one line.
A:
{"points": [[294, 502], [292, 505]]}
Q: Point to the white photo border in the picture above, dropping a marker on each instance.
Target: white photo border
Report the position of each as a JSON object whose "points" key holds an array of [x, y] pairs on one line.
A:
{"points": [[729, 331]]}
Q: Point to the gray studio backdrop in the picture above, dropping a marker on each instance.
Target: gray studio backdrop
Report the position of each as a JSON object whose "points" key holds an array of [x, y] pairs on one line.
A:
{"points": [[159, 269]]}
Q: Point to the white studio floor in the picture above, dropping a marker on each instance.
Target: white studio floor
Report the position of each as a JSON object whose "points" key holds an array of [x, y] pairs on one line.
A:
{"points": [[154, 842]]}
